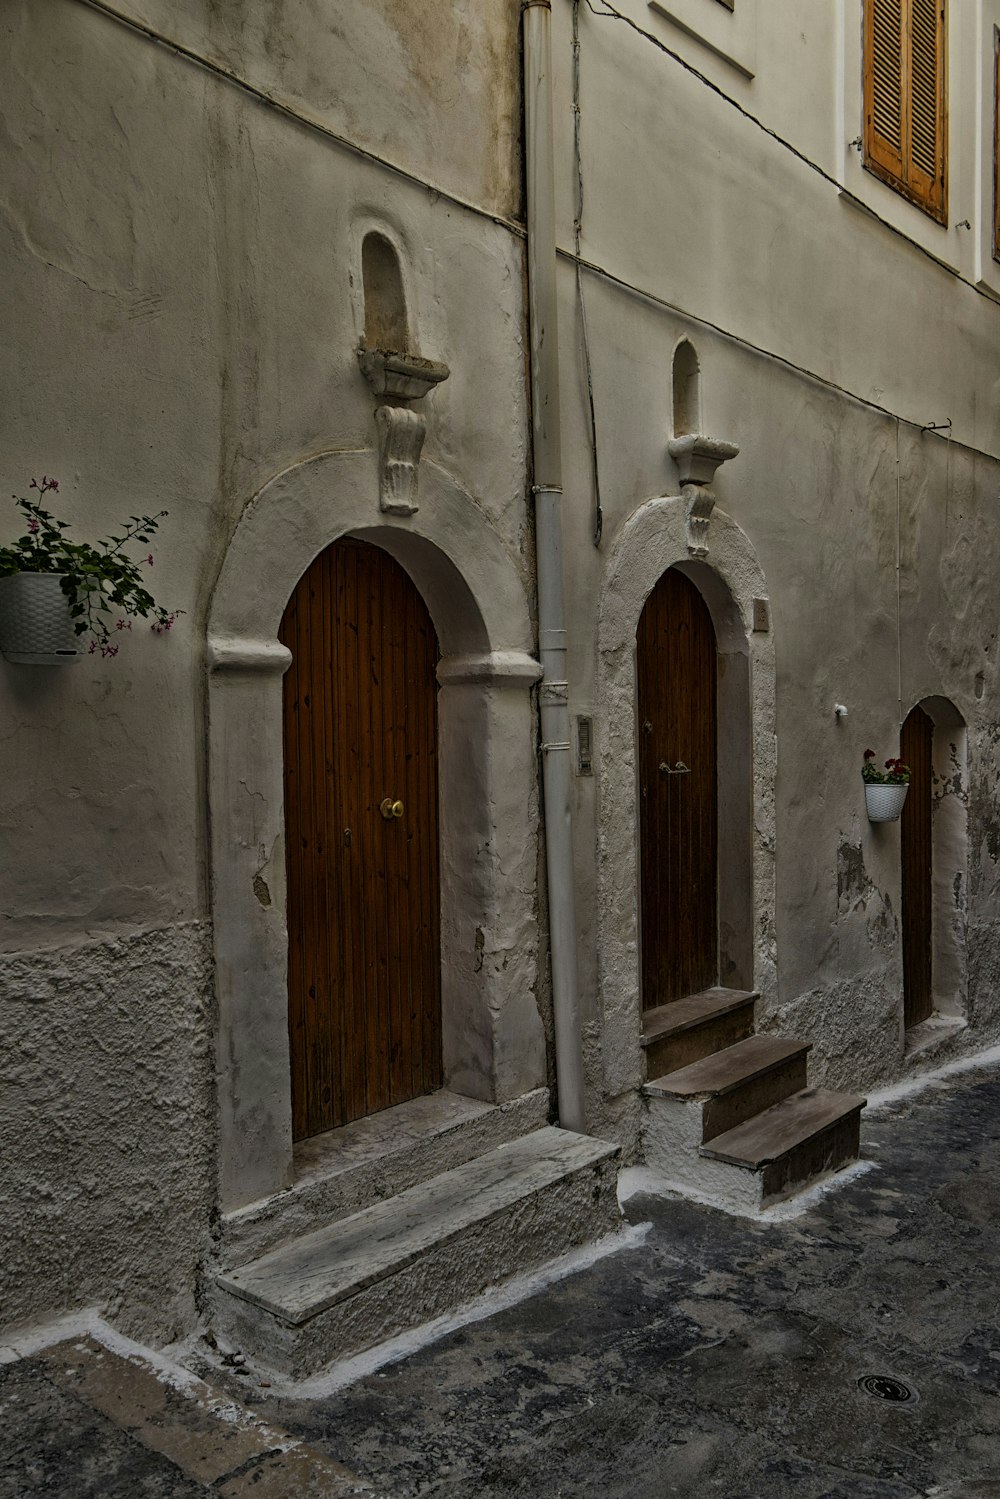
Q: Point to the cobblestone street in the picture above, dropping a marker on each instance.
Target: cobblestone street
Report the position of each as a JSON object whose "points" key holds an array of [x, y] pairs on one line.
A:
{"points": [[714, 1355], [723, 1356]]}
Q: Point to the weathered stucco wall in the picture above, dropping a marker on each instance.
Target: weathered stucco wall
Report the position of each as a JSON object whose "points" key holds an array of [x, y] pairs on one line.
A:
{"points": [[182, 296], [807, 317], [107, 1123], [182, 300]]}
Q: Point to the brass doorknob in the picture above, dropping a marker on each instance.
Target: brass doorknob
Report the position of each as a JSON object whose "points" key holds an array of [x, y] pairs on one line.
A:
{"points": [[390, 809]]}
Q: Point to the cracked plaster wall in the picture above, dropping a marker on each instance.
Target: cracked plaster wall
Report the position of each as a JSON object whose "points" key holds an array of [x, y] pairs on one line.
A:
{"points": [[725, 225], [107, 1126], [182, 302]]}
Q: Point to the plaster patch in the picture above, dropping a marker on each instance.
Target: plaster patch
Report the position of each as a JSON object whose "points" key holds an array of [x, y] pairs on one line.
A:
{"points": [[107, 1127]]}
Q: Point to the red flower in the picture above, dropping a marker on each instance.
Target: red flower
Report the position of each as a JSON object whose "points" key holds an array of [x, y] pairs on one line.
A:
{"points": [[869, 754]]}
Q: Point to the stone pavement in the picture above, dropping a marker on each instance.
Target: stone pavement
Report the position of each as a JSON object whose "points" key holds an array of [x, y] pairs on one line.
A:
{"points": [[719, 1356], [81, 1421], [723, 1356]]}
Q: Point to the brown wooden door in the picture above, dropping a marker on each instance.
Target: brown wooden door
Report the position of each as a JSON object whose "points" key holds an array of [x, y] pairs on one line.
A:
{"points": [[678, 798], [360, 726], [916, 742]]}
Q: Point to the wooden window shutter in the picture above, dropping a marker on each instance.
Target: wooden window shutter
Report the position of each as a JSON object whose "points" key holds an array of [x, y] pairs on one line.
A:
{"points": [[905, 133]]}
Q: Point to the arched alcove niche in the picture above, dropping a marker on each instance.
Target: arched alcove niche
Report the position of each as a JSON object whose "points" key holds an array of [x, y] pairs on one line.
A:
{"points": [[652, 541], [944, 785], [493, 1039], [686, 389], [386, 323]]}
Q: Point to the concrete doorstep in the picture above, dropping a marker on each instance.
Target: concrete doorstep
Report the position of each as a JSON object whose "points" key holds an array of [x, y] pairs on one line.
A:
{"points": [[84, 1417]]}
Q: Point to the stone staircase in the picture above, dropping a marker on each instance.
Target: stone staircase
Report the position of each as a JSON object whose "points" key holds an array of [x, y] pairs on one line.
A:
{"points": [[396, 1220], [728, 1114]]}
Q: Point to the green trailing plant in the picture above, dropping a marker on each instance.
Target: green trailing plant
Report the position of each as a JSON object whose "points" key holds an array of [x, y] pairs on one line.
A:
{"points": [[104, 585], [896, 772]]}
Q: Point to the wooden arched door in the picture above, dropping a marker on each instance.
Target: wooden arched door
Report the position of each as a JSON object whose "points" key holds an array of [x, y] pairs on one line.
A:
{"points": [[676, 671], [916, 748], [361, 824]]}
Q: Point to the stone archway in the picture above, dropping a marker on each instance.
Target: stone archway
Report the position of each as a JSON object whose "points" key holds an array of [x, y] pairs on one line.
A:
{"points": [[730, 581], [493, 1037], [942, 907]]}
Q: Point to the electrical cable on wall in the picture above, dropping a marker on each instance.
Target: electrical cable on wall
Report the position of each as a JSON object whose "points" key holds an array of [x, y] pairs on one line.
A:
{"points": [[609, 13], [744, 343], [294, 114]]}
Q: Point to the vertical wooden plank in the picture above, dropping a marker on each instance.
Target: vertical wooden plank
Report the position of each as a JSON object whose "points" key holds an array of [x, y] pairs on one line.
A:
{"points": [[394, 740], [375, 861], [288, 634], [352, 731], [429, 876], [916, 859], [409, 913]]}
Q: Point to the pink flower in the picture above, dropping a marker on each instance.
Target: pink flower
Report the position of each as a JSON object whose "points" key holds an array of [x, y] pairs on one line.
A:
{"points": [[109, 650], [92, 648], [33, 526], [149, 559]]}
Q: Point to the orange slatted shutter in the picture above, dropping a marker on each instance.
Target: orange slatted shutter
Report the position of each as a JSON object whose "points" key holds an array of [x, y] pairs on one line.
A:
{"points": [[926, 98], [884, 90], [905, 135]]}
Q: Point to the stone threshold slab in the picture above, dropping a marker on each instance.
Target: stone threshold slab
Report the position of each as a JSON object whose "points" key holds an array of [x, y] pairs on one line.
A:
{"points": [[325, 1267], [372, 1138]]}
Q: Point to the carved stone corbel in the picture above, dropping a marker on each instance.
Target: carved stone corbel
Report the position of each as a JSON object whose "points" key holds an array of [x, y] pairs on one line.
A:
{"points": [[400, 439], [697, 459], [397, 380]]}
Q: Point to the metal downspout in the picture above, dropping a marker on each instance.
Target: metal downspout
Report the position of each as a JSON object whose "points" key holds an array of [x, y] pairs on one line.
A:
{"points": [[547, 490]]}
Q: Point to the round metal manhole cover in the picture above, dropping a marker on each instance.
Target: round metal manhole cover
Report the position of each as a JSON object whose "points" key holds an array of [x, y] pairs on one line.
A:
{"points": [[886, 1387]]}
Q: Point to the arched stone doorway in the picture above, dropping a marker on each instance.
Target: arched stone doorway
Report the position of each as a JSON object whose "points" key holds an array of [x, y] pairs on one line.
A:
{"points": [[677, 713], [361, 839], [933, 863], [493, 1045], [653, 542]]}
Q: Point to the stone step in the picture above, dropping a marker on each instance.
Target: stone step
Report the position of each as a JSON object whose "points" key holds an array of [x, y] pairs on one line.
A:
{"points": [[814, 1131], [347, 1169], [758, 1162], [688, 1029], [733, 1085], [410, 1258]]}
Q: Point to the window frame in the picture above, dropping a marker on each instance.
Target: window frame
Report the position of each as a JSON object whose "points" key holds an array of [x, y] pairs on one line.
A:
{"points": [[897, 169]]}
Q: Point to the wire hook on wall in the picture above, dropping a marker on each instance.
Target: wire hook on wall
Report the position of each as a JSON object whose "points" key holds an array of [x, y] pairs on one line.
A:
{"points": [[937, 426]]}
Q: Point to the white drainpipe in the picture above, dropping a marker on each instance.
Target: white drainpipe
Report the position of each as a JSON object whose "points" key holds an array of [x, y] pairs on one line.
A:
{"points": [[546, 446]]}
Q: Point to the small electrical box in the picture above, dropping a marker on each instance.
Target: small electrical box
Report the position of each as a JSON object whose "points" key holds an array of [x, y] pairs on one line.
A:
{"points": [[584, 746]]}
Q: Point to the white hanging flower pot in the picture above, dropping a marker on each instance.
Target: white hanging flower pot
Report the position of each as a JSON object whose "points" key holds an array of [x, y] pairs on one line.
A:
{"points": [[36, 628], [884, 802]]}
